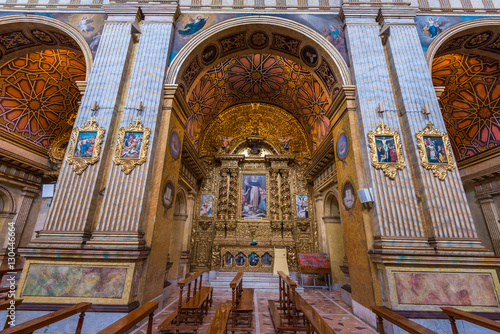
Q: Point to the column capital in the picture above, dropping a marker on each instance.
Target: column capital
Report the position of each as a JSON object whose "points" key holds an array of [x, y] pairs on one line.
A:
{"points": [[358, 15], [160, 13], [397, 15], [123, 14]]}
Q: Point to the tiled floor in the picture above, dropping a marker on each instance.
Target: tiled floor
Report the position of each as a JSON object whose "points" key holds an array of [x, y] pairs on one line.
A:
{"points": [[338, 315]]}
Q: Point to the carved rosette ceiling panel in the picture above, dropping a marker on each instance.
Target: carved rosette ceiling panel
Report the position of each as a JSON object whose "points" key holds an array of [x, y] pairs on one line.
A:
{"points": [[470, 102], [39, 97], [261, 78]]}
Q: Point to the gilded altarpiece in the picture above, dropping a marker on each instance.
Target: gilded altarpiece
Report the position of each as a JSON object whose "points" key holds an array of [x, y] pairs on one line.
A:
{"points": [[254, 179]]}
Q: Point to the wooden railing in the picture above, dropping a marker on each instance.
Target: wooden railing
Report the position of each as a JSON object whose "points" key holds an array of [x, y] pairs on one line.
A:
{"points": [[51, 318], [314, 320], [133, 318], [287, 297], [398, 320], [4, 305], [453, 313]]}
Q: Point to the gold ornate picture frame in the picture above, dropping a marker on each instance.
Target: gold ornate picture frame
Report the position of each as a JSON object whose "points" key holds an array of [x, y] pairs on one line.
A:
{"points": [[386, 150], [132, 146], [252, 211], [435, 151], [85, 146]]}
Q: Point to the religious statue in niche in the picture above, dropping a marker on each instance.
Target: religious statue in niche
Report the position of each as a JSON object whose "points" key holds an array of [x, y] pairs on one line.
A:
{"points": [[253, 197], [253, 259], [254, 145], [286, 142], [348, 196], [228, 259]]}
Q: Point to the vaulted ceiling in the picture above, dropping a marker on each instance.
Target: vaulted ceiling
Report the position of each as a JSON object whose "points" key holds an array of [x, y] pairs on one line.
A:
{"points": [[38, 95], [471, 101], [254, 78]]}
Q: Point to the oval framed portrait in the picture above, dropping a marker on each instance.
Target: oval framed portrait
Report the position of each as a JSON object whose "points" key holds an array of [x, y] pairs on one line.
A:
{"points": [[168, 194], [348, 195], [175, 145], [342, 146]]}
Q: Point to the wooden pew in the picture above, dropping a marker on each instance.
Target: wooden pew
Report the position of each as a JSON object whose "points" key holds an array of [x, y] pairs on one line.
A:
{"points": [[286, 317], [133, 318], [453, 313], [218, 325], [6, 304], [241, 304], [51, 318], [199, 299], [314, 322], [411, 327]]}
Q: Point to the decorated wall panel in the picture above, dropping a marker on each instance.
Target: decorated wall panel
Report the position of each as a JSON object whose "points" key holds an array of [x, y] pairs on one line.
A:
{"points": [[39, 97]]}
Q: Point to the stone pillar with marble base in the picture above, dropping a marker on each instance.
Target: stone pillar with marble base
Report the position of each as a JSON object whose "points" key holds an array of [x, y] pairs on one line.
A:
{"points": [[72, 211]]}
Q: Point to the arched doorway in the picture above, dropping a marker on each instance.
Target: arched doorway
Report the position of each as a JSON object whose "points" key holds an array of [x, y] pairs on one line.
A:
{"points": [[259, 98]]}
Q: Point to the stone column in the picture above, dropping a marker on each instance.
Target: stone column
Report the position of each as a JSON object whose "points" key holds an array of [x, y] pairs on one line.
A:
{"points": [[397, 218], [273, 194], [489, 208], [222, 202], [190, 206], [444, 202], [73, 208], [23, 212], [233, 192], [126, 196], [285, 195], [319, 206]]}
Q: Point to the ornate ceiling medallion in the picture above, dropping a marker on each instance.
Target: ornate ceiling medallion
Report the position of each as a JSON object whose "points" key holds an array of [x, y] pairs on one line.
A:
{"points": [[132, 146], [85, 146], [435, 151], [386, 150]]}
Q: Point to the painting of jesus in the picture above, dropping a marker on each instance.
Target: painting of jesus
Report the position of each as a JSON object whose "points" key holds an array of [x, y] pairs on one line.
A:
{"points": [[254, 197]]}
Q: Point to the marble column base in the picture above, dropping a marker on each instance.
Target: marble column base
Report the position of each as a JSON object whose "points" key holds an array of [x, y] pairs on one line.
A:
{"points": [[134, 240]]}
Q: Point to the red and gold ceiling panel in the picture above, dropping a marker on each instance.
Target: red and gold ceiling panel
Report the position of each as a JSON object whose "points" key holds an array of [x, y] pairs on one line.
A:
{"points": [[260, 78], [38, 94], [470, 102]]}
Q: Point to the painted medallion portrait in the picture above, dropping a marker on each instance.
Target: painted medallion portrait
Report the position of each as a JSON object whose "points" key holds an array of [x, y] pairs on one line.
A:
{"points": [[85, 144], [302, 206], [206, 205], [342, 146], [253, 197], [435, 150], [386, 149], [348, 195], [132, 144], [175, 145], [168, 194]]}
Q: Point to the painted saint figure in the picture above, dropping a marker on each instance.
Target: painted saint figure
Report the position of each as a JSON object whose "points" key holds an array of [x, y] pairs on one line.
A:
{"points": [[195, 26]]}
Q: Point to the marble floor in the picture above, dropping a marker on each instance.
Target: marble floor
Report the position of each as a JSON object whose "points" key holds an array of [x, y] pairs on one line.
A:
{"points": [[338, 315]]}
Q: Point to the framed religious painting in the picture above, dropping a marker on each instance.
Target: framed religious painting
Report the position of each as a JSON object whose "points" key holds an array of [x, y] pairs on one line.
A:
{"points": [[342, 146], [206, 205], [386, 150], [254, 196], [85, 146], [175, 145], [132, 146], [435, 151], [301, 206]]}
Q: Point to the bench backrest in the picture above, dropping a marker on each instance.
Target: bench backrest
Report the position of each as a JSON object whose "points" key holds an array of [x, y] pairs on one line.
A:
{"points": [[197, 278], [398, 320], [130, 320], [51, 318], [315, 320], [237, 288], [472, 318]]}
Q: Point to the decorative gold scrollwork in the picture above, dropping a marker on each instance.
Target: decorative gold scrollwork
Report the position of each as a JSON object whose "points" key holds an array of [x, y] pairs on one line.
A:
{"points": [[381, 135], [90, 132], [129, 162], [438, 159]]}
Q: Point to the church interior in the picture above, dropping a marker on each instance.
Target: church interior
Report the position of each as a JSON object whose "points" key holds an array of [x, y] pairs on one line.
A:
{"points": [[277, 166]]}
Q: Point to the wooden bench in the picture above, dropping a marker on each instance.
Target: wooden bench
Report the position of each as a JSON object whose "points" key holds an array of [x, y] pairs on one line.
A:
{"points": [[453, 313], [133, 318], [314, 322], [411, 327], [189, 313], [51, 318], [218, 325], [287, 316], [241, 304], [4, 305]]}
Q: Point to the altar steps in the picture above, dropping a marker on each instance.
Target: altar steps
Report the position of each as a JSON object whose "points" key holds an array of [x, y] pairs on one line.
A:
{"points": [[257, 281]]}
